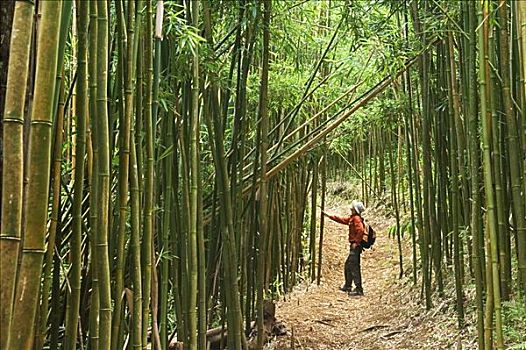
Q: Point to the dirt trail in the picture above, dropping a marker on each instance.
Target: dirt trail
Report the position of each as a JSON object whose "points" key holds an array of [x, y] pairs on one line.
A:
{"points": [[387, 317]]}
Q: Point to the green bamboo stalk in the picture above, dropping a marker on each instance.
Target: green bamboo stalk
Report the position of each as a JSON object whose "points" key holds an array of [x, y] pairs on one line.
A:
{"points": [[103, 174], [125, 69], [394, 196], [474, 154], [55, 314], [80, 150], [65, 23], [147, 240], [483, 33], [489, 302], [497, 153], [135, 189], [39, 159], [194, 190], [93, 178], [455, 164], [176, 224], [263, 187], [135, 242], [513, 144], [185, 222], [13, 153], [270, 245], [323, 175], [166, 183], [157, 58], [409, 154], [201, 272], [166, 230], [72, 130], [521, 6], [313, 216], [40, 336], [203, 293]]}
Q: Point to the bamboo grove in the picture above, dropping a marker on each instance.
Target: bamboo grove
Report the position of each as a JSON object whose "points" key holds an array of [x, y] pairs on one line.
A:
{"points": [[163, 161], [449, 150]]}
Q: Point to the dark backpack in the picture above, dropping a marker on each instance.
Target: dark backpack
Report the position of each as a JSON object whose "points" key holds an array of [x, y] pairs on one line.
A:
{"points": [[369, 237]]}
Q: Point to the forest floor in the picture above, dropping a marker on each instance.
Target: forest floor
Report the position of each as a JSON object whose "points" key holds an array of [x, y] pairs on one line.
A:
{"points": [[389, 316]]}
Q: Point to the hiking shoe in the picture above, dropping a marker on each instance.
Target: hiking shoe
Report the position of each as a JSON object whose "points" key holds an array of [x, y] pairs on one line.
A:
{"points": [[345, 288], [356, 293]]}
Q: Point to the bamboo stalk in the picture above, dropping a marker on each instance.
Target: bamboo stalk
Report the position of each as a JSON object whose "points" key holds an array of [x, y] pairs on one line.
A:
{"points": [[103, 174], [263, 187], [483, 33], [126, 78], [135, 242], [54, 218], [80, 150], [518, 201], [93, 178], [455, 164], [39, 161], [13, 153], [147, 240], [194, 190]]}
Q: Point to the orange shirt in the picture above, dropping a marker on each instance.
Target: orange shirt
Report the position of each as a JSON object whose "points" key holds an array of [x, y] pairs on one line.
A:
{"points": [[356, 226]]}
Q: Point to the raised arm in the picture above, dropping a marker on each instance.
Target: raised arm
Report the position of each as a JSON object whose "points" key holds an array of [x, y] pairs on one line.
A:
{"points": [[339, 219]]}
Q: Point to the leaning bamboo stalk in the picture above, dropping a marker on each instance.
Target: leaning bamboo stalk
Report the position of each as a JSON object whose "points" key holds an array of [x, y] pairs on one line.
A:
{"points": [[365, 99], [293, 133], [12, 176], [39, 162], [362, 101]]}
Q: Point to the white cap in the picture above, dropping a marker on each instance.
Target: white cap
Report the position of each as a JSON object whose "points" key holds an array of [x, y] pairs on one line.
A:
{"points": [[358, 206]]}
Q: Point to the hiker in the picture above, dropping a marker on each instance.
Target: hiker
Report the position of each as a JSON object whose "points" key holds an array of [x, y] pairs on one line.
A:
{"points": [[356, 234]]}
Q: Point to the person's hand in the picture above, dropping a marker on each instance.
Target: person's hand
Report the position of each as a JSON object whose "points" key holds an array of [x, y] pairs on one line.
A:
{"points": [[323, 211]]}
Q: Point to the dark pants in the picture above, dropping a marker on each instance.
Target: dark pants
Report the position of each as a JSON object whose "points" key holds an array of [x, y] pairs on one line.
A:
{"points": [[353, 272]]}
